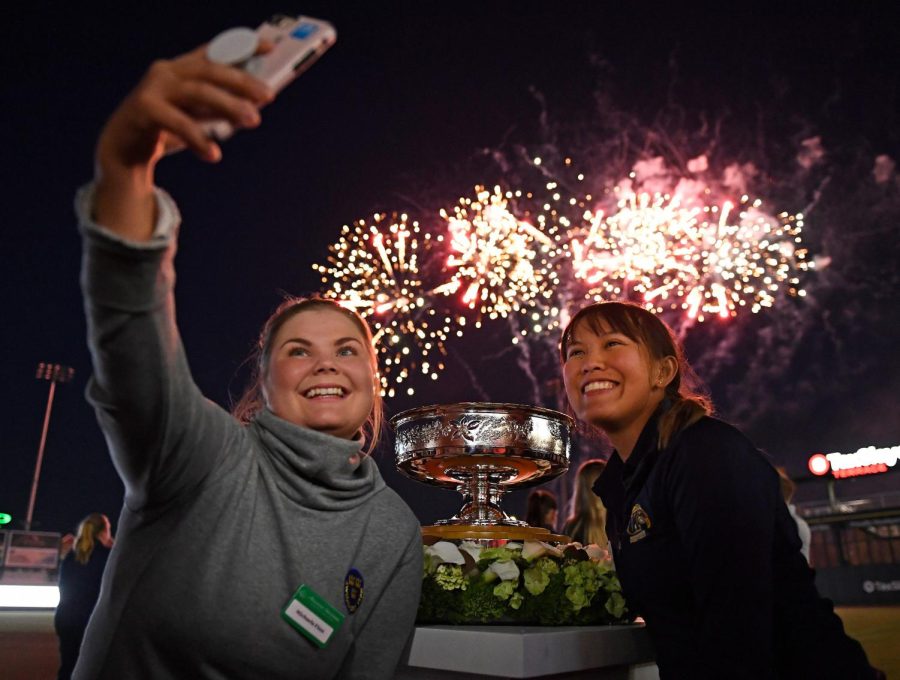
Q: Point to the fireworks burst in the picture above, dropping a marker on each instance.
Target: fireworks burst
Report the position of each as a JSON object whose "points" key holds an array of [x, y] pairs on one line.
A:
{"points": [[555, 209], [502, 264], [742, 258], [688, 253], [526, 257], [637, 248], [376, 270]]}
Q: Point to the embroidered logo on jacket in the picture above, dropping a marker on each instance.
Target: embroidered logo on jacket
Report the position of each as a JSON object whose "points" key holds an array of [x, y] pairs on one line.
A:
{"points": [[353, 590], [638, 524]]}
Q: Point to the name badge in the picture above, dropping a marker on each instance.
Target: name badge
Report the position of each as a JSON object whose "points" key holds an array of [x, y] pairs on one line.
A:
{"points": [[312, 616]]}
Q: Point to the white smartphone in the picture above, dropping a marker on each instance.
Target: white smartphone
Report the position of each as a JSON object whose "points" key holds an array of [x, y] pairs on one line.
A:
{"points": [[298, 42]]}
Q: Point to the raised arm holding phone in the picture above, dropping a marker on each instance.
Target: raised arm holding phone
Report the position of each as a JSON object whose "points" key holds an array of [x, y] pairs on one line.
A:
{"points": [[260, 544]]}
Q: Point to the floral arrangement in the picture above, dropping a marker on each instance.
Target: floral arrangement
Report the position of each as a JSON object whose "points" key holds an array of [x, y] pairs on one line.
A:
{"points": [[530, 582]]}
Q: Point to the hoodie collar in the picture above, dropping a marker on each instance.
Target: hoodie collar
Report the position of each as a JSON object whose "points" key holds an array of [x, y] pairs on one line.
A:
{"points": [[314, 468]]}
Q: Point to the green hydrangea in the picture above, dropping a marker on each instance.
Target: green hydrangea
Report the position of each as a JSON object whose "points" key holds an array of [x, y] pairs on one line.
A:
{"points": [[537, 576], [489, 555], [615, 605], [516, 600], [504, 589], [508, 587], [582, 581], [450, 577]]}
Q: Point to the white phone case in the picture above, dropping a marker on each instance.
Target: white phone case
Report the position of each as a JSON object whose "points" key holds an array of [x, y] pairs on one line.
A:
{"points": [[298, 43]]}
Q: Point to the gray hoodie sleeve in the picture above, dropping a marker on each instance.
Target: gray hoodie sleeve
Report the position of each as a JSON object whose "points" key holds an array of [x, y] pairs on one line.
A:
{"points": [[163, 435]]}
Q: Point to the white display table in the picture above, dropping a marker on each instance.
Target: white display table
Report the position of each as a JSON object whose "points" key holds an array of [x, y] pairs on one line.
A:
{"points": [[469, 652]]}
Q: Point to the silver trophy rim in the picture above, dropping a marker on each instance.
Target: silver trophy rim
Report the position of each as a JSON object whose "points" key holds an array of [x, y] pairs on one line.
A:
{"points": [[501, 408]]}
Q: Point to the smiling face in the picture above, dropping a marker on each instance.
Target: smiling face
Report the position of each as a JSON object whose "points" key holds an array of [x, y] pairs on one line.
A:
{"points": [[612, 382], [320, 373]]}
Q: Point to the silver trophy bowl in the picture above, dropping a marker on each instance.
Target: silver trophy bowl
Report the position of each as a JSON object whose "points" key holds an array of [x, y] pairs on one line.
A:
{"points": [[482, 450]]}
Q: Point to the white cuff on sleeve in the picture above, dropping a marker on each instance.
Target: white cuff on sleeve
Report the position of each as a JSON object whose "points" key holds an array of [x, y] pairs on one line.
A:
{"points": [[167, 221]]}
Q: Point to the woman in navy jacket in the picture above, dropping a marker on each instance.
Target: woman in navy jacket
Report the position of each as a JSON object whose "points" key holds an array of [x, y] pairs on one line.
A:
{"points": [[703, 542]]}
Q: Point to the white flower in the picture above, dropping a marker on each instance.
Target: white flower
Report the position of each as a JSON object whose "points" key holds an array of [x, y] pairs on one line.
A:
{"points": [[595, 552], [472, 548], [535, 549], [505, 569], [444, 552]]}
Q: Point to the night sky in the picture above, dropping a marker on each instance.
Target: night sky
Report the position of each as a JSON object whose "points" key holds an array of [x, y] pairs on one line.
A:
{"points": [[416, 104]]}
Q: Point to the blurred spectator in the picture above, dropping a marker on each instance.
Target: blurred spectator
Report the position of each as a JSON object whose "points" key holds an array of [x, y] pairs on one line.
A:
{"points": [[787, 491], [79, 587], [65, 545], [586, 522], [542, 510]]}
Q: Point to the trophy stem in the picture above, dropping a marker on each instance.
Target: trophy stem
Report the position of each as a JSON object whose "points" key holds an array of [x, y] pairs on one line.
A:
{"points": [[481, 488]]}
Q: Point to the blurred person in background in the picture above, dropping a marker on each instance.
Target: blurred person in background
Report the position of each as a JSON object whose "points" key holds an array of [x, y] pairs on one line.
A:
{"points": [[65, 546], [787, 491], [586, 523], [542, 510], [80, 575]]}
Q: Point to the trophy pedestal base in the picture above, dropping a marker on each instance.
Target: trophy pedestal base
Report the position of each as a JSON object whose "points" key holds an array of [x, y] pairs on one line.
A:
{"points": [[490, 532], [622, 652]]}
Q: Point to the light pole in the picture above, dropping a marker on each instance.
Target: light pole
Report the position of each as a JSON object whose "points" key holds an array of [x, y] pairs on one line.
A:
{"points": [[55, 373]]}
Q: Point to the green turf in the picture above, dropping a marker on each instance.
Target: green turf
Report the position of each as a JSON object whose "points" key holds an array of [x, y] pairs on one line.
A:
{"points": [[878, 630]]}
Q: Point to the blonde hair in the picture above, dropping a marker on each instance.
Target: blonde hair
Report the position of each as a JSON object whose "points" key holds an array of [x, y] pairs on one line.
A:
{"points": [[587, 514], [689, 404], [253, 400], [88, 530]]}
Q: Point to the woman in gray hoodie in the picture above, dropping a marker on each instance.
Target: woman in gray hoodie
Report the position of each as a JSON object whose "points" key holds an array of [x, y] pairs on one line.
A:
{"points": [[259, 546]]}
